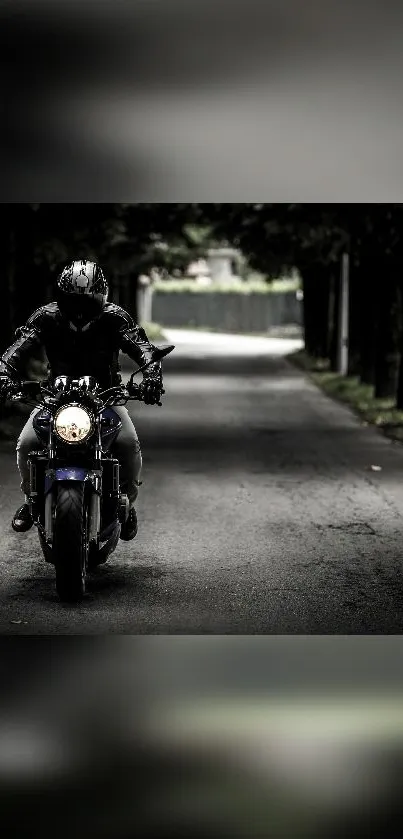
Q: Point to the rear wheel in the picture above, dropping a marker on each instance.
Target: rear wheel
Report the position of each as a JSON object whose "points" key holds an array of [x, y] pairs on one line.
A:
{"points": [[70, 542]]}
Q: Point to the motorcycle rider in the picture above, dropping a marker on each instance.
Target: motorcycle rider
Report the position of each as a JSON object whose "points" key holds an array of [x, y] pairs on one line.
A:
{"points": [[82, 334]]}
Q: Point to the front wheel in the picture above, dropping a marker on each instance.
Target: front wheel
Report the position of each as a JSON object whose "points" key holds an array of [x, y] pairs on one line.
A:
{"points": [[70, 542]]}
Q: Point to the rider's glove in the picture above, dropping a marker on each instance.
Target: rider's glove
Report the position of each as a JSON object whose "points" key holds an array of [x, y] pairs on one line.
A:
{"points": [[6, 387], [151, 390]]}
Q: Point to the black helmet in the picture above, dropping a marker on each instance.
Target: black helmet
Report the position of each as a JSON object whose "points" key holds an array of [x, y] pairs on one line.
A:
{"points": [[82, 291]]}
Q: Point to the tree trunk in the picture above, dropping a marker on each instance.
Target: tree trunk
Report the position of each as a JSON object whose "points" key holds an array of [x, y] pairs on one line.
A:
{"points": [[388, 339], [331, 312], [355, 322], [316, 284], [399, 398], [113, 296], [369, 275], [124, 292], [132, 296], [334, 341], [29, 280], [7, 308]]}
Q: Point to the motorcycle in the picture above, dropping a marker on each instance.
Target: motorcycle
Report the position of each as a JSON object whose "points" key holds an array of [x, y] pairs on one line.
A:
{"points": [[75, 498]]}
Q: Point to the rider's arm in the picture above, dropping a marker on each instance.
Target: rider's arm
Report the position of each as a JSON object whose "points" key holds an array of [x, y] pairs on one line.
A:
{"points": [[29, 340], [134, 342]]}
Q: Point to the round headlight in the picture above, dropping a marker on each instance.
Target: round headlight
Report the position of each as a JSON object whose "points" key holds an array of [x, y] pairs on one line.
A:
{"points": [[73, 424]]}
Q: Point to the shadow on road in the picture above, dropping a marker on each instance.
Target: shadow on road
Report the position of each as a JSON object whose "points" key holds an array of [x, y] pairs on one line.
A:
{"points": [[106, 581]]}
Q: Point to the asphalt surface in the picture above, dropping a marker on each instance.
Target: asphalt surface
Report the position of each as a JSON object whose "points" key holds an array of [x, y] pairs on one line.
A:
{"points": [[259, 513]]}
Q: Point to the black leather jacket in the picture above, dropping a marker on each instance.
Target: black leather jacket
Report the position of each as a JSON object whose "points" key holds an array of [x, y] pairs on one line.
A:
{"points": [[91, 351]]}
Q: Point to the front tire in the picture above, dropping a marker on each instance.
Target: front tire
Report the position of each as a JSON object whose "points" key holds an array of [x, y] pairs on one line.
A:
{"points": [[70, 542]]}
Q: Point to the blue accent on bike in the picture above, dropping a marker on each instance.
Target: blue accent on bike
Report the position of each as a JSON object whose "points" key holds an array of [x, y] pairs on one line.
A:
{"points": [[41, 424], [42, 418], [110, 414], [71, 473], [110, 427]]}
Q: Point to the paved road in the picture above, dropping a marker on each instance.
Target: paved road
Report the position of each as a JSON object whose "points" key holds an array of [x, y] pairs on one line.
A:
{"points": [[259, 512]]}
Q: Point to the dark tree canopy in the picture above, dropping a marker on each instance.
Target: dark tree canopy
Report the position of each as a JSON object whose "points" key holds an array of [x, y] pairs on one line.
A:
{"points": [[129, 239]]}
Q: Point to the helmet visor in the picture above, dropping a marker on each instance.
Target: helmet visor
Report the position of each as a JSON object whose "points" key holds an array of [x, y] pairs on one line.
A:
{"points": [[80, 308]]}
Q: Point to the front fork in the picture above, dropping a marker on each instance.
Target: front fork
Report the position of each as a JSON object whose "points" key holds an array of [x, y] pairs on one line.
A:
{"points": [[74, 475], [46, 479], [88, 476]]}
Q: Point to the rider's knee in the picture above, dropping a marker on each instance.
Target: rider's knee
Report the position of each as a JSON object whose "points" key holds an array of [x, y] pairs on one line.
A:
{"points": [[25, 444]]}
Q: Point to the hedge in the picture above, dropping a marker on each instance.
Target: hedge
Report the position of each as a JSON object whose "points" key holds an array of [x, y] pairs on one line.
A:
{"points": [[238, 286]]}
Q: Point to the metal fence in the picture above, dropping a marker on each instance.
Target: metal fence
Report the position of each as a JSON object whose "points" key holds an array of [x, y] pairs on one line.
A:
{"points": [[227, 311]]}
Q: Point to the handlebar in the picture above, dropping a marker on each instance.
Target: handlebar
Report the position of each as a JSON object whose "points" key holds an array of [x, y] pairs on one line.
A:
{"points": [[119, 389], [127, 392], [25, 390]]}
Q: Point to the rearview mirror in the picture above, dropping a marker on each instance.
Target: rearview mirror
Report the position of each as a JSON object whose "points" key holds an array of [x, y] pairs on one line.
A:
{"points": [[160, 352], [157, 355]]}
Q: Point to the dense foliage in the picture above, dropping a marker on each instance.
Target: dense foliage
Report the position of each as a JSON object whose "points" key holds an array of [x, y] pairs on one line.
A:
{"points": [[313, 237], [128, 239], [131, 238]]}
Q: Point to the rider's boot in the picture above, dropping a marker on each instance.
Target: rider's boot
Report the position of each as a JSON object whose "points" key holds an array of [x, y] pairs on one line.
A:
{"points": [[129, 528], [22, 519]]}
